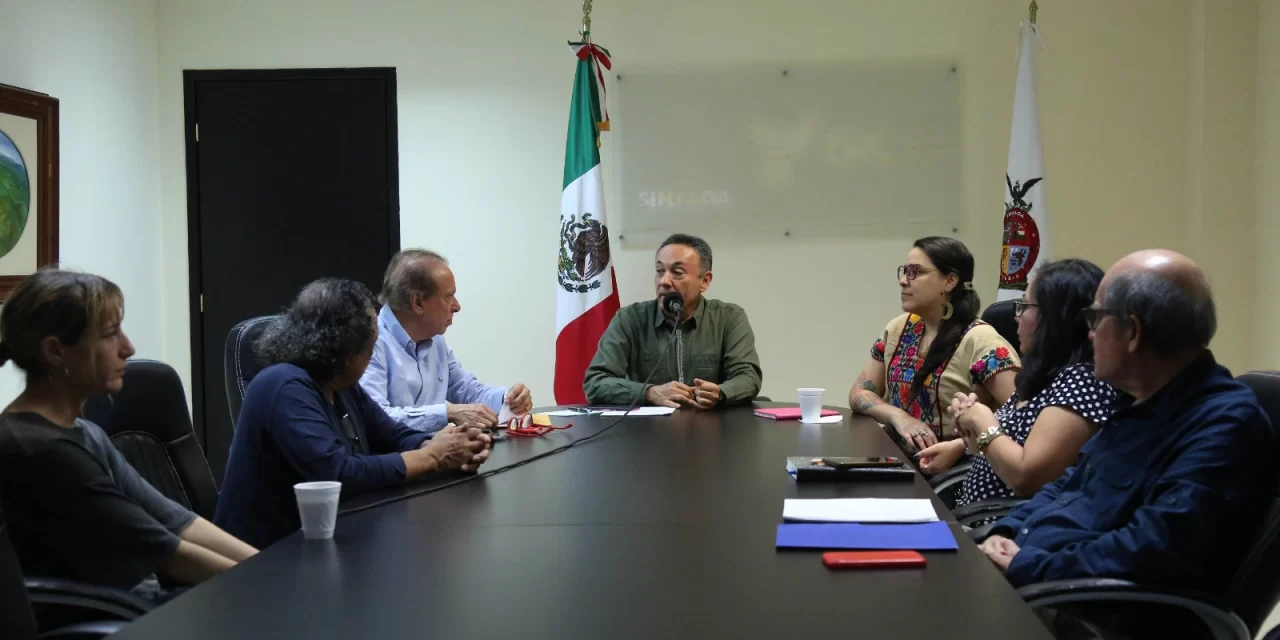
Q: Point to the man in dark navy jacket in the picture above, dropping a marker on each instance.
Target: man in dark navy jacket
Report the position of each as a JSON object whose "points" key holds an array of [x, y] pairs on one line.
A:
{"points": [[1171, 491]]}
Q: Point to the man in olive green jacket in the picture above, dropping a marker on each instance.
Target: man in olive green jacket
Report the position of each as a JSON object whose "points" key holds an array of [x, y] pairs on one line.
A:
{"points": [[711, 362]]}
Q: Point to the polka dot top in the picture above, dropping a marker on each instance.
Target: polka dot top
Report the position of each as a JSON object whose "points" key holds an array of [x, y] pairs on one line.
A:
{"points": [[1074, 389]]}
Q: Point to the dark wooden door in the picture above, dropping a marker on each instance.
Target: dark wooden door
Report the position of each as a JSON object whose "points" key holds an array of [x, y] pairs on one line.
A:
{"points": [[292, 176]]}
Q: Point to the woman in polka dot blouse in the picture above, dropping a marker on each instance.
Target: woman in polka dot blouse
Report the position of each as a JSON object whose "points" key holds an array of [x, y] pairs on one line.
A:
{"points": [[1057, 405]]}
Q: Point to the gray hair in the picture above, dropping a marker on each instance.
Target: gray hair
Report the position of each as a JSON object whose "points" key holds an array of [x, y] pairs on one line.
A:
{"points": [[1174, 318], [693, 242], [409, 273]]}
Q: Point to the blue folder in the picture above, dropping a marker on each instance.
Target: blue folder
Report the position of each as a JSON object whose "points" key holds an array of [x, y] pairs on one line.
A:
{"points": [[924, 536]]}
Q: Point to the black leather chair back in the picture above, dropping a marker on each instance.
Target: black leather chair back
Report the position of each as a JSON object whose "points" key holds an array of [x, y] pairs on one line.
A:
{"points": [[16, 620], [149, 423], [1256, 587], [1000, 316], [240, 362]]}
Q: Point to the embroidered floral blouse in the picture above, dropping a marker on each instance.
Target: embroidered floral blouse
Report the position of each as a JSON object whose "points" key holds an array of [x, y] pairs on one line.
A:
{"points": [[982, 353]]}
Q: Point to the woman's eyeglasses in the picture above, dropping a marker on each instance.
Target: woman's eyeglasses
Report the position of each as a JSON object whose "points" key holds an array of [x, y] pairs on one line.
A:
{"points": [[912, 271], [352, 433], [1020, 307]]}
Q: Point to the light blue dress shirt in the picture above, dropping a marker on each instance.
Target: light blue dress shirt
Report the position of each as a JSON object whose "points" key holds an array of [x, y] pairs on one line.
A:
{"points": [[412, 381]]}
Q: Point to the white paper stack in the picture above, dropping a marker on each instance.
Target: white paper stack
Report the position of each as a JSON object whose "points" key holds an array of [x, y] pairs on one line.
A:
{"points": [[863, 510], [566, 413], [640, 411]]}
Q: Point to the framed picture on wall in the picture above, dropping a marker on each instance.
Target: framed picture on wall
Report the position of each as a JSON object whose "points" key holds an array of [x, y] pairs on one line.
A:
{"points": [[28, 184]]}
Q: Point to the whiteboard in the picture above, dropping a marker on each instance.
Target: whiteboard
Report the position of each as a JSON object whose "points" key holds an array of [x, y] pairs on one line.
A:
{"points": [[803, 149]]}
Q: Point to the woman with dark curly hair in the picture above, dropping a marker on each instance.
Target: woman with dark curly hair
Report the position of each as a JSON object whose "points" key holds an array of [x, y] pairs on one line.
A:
{"points": [[305, 418]]}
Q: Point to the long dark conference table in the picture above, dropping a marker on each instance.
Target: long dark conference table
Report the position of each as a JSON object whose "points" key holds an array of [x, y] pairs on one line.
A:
{"points": [[662, 527]]}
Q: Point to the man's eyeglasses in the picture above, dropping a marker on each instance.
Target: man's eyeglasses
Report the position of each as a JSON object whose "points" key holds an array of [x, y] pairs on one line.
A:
{"points": [[1020, 307], [911, 271], [1092, 317]]}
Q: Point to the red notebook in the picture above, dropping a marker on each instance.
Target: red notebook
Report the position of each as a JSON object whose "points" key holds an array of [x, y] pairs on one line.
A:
{"points": [[789, 413]]}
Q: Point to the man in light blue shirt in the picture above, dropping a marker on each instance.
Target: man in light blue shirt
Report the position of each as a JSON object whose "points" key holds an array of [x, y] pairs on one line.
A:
{"points": [[413, 374]]}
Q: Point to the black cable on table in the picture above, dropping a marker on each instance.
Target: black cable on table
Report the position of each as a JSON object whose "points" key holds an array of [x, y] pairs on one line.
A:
{"points": [[634, 401]]}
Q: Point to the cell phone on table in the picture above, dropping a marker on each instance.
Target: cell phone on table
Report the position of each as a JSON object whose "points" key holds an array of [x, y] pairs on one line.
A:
{"points": [[872, 559], [873, 462]]}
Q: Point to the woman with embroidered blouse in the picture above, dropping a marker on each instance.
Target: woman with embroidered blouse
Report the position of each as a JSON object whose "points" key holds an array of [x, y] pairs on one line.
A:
{"points": [[938, 348], [1057, 405]]}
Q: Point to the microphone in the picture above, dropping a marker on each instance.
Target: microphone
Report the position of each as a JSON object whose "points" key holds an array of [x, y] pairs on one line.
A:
{"points": [[673, 304]]}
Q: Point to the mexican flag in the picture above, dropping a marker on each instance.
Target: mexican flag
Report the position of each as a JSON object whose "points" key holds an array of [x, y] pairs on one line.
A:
{"points": [[1026, 218], [587, 295]]}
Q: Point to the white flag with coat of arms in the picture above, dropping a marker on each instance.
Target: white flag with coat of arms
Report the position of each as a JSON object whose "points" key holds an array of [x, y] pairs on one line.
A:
{"points": [[1025, 244]]}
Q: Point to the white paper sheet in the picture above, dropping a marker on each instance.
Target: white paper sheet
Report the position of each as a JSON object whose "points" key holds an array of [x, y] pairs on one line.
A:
{"points": [[641, 411], [505, 415], [863, 510]]}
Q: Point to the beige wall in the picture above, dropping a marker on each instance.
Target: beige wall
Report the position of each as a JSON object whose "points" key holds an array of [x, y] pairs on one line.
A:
{"points": [[1268, 185], [1222, 219], [1145, 109], [1161, 123], [99, 60]]}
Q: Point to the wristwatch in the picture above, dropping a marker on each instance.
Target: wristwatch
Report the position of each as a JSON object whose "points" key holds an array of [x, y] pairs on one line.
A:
{"points": [[986, 437]]}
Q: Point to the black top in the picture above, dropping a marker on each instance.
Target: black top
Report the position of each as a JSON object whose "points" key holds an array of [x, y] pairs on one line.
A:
{"points": [[77, 510], [661, 528], [288, 433]]}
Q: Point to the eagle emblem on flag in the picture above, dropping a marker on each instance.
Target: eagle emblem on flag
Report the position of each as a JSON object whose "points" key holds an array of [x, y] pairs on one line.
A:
{"points": [[584, 253], [1021, 237]]}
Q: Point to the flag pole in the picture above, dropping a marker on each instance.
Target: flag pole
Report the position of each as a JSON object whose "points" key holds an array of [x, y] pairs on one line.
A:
{"points": [[1032, 9], [587, 295]]}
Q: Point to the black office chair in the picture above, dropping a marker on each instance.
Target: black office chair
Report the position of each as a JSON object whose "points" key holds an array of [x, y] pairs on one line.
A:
{"points": [[149, 424], [1253, 592], [15, 608], [65, 610], [1000, 317], [240, 363], [947, 484]]}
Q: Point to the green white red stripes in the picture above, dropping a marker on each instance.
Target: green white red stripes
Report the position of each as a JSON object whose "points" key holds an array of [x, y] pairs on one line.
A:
{"points": [[586, 292]]}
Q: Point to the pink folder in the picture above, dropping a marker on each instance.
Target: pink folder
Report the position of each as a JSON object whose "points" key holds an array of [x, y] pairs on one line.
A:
{"points": [[788, 413]]}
